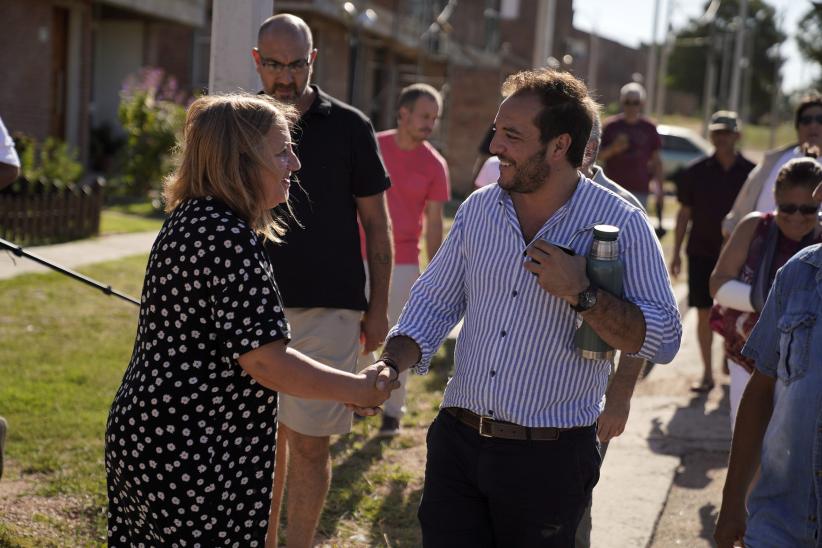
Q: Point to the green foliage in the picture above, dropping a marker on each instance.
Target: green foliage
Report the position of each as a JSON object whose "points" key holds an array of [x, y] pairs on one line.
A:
{"points": [[809, 36], [51, 163], [688, 61], [152, 115]]}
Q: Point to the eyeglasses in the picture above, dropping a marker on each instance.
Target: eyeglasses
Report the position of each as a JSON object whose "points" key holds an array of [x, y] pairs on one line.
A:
{"points": [[804, 209], [631, 103], [806, 119], [275, 66]]}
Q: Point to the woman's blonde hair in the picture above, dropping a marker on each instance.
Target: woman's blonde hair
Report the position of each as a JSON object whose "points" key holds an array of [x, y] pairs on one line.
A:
{"points": [[223, 152]]}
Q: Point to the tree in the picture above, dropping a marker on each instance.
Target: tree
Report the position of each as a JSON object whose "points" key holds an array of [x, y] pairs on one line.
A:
{"points": [[809, 35], [688, 62]]}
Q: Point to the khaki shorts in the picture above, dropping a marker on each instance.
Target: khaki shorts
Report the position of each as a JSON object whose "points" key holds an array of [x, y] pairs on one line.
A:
{"points": [[330, 336]]}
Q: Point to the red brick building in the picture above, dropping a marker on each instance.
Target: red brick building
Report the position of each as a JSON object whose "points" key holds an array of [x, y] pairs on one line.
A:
{"points": [[64, 61]]}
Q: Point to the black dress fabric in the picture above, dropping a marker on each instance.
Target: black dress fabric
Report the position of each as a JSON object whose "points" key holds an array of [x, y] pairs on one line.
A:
{"points": [[190, 436]]}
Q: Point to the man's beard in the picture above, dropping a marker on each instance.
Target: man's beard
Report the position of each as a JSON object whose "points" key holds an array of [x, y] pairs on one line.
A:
{"points": [[287, 93], [531, 175]]}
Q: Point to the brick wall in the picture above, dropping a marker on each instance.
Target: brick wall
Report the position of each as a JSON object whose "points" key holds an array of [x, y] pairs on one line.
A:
{"points": [[474, 98], [25, 94]]}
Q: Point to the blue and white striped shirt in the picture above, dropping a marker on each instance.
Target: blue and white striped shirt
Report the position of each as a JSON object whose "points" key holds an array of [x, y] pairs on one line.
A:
{"points": [[514, 357]]}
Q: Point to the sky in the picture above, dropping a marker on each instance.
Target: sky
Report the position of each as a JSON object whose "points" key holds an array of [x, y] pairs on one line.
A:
{"points": [[631, 22]]}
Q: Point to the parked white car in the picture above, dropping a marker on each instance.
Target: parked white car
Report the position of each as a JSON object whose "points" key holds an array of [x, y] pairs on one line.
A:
{"points": [[680, 147]]}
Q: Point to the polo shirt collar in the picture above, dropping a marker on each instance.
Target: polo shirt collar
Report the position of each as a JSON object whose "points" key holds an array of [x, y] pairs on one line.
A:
{"points": [[321, 104]]}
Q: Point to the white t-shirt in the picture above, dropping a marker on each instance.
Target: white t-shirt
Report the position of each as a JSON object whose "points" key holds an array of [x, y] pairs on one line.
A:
{"points": [[489, 173], [765, 202], [8, 154]]}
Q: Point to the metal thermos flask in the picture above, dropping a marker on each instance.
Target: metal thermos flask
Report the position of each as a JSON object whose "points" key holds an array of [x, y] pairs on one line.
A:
{"points": [[605, 271]]}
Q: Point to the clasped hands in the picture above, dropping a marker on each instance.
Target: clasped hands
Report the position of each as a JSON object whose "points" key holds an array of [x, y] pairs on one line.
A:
{"points": [[376, 383]]}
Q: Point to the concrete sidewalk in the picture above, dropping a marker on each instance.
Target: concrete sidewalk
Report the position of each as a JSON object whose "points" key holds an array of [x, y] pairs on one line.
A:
{"points": [[74, 254], [667, 424]]}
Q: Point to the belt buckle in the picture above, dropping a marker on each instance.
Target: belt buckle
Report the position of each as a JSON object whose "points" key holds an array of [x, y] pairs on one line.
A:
{"points": [[482, 423]]}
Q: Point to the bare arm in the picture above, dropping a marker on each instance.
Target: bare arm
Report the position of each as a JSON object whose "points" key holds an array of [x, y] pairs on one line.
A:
{"points": [[682, 220], [611, 422], [403, 351], [432, 225], [620, 323], [734, 253], [8, 174], [755, 412], [656, 170], [284, 369], [373, 214]]}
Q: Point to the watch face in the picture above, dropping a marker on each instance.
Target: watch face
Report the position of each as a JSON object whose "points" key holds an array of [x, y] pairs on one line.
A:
{"points": [[587, 299]]}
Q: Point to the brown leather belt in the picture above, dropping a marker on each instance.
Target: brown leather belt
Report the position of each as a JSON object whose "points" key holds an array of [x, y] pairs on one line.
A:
{"points": [[490, 428]]}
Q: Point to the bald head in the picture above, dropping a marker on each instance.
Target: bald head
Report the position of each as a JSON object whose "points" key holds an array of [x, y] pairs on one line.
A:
{"points": [[286, 24]]}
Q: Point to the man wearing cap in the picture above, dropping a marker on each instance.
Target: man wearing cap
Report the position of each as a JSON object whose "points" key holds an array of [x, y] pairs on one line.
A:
{"points": [[706, 190]]}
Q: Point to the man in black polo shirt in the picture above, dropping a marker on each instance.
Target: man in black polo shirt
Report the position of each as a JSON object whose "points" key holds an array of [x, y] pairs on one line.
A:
{"points": [[706, 191], [319, 267]]}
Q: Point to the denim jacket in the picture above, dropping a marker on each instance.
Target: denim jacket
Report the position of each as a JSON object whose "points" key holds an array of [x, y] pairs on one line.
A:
{"points": [[785, 506]]}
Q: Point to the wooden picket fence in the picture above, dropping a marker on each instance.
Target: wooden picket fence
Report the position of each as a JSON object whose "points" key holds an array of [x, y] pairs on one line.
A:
{"points": [[38, 215]]}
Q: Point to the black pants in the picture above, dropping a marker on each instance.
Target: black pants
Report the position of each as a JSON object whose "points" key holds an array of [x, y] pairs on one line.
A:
{"points": [[488, 492]]}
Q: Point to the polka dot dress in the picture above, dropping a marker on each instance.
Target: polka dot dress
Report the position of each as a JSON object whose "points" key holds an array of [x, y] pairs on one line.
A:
{"points": [[190, 437]]}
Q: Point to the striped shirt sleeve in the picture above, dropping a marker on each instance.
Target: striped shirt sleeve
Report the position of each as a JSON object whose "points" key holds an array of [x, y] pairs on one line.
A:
{"points": [[437, 301]]}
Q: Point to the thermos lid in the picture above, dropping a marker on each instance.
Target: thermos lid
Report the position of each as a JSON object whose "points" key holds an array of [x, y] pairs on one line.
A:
{"points": [[607, 233]]}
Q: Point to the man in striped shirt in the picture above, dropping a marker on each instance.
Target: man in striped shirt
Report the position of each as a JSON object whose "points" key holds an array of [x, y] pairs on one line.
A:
{"points": [[512, 456]]}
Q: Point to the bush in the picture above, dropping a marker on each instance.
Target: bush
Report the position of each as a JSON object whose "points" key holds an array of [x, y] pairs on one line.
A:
{"points": [[152, 112], [51, 165]]}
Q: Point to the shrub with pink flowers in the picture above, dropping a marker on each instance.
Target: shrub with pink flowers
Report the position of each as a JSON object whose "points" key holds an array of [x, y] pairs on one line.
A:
{"points": [[152, 112]]}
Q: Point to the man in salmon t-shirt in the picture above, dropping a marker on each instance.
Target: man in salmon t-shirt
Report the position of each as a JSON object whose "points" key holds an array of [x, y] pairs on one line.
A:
{"points": [[419, 187]]}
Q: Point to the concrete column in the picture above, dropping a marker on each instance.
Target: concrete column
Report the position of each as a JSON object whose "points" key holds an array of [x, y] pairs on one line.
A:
{"points": [[233, 33], [544, 36]]}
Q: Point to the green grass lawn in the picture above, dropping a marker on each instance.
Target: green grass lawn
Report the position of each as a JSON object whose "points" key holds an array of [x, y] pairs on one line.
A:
{"points": [[63, 351], [132, 216]]}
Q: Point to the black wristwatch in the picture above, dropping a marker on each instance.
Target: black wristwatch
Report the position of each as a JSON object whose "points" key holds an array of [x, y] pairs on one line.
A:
{"points": [[586, 299]]}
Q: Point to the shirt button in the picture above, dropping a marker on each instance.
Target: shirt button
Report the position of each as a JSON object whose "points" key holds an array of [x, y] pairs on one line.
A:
{"points": [[490, 411], [493, 373], [502, 333], [514, 293]]}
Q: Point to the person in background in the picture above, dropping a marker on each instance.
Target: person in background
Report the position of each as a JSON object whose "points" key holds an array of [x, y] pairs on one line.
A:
{"points": [[778, 434], [630, 147], [419, 188], [757, 192], [319, 265], [9, 160], [488, 173], [706, 190], [623, 379], [9, 171], [757, 248]]}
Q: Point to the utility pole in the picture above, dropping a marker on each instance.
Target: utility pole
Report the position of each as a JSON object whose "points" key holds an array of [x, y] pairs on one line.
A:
{"points": [[736, 79], [667, 47], [650, 74], [709, 90], [544, 43]]}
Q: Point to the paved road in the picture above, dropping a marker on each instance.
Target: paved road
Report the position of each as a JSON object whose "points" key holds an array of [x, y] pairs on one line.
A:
{"points": [[660, 484]]}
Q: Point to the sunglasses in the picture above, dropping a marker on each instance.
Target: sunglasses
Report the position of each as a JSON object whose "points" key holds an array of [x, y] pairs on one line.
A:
{"points": [[806, 119], [804, 209], [635, 104]]}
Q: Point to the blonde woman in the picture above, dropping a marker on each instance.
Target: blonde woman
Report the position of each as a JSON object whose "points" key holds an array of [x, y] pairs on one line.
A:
{"points": [[191, 432]]}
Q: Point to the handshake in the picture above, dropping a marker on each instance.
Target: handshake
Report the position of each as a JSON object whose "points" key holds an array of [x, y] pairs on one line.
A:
{"points": [[374, 386]]}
